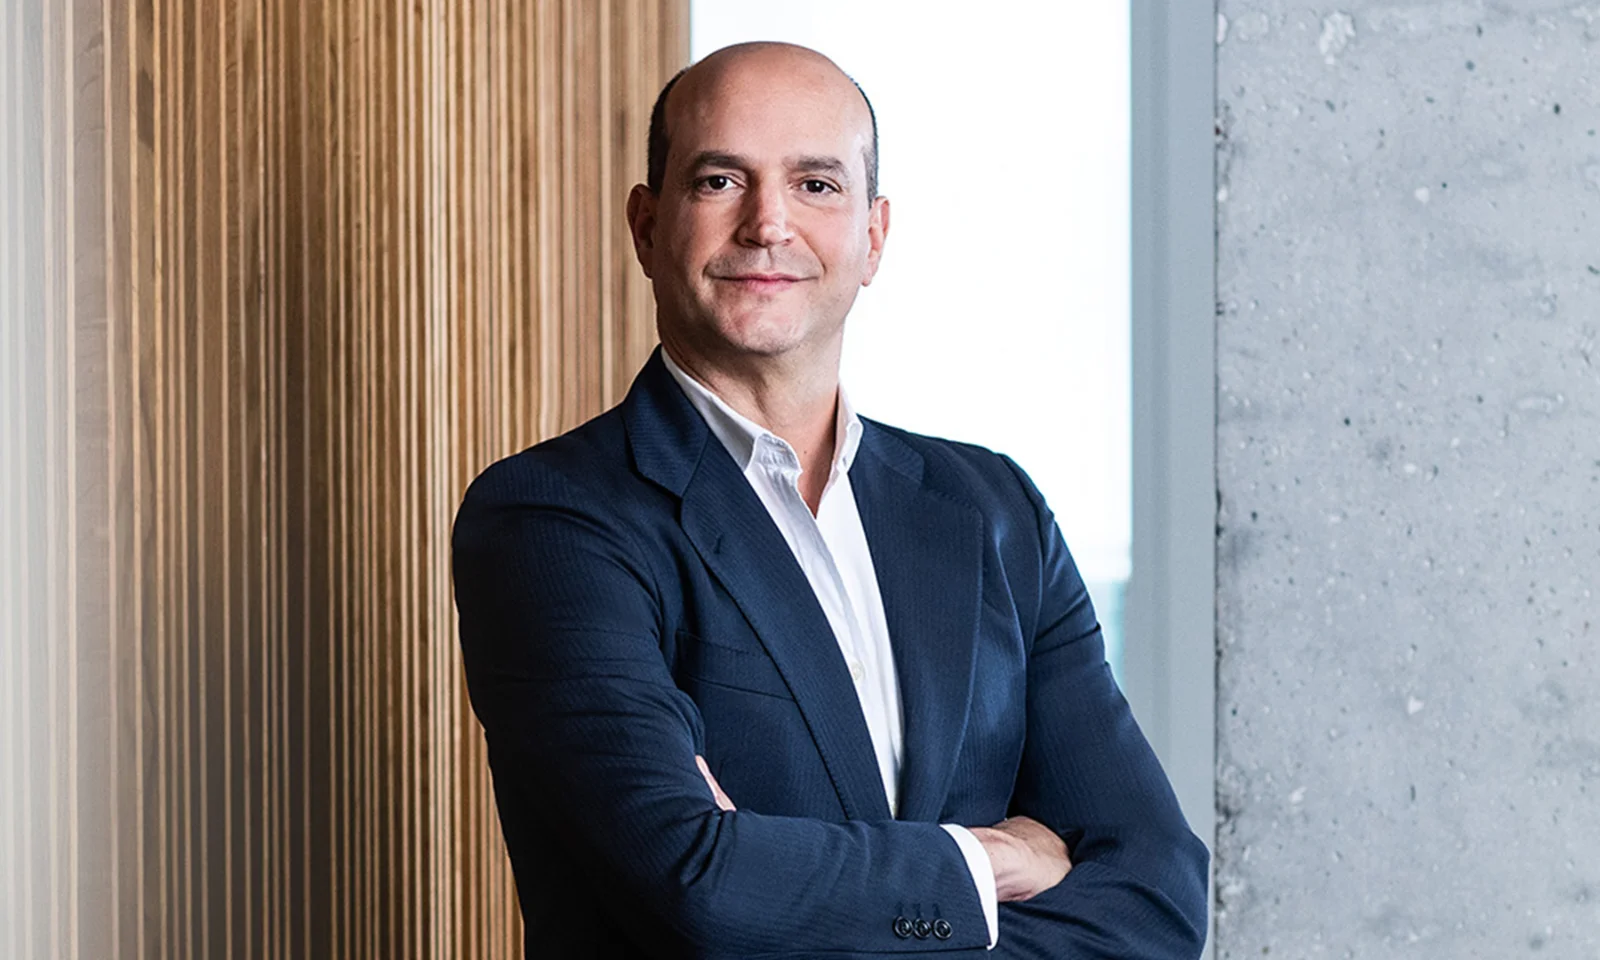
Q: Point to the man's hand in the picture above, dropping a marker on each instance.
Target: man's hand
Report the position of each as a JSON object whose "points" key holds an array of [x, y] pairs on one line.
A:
{"points": [[1028, 857], [716, 788]]}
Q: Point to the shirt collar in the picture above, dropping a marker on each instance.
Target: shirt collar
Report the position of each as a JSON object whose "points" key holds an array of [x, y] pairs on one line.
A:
{"points": [[740, 435]]}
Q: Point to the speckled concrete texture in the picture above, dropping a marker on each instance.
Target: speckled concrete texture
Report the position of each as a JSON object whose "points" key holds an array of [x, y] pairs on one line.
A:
{"points": [[1408, 456]]}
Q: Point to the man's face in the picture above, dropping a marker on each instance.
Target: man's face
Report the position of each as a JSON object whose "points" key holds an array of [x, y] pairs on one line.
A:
{"points": [[762, 233]]}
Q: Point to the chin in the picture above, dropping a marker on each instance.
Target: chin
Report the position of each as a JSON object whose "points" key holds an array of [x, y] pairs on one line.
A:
{"points": [[762, 336]]}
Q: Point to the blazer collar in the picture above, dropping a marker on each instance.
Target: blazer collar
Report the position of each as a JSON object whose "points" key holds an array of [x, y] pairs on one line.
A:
{"points": [[666, 435], [927, 551]]}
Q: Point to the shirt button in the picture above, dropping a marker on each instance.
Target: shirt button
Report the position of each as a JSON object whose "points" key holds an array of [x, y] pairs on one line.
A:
{"points": [[858, 673]]}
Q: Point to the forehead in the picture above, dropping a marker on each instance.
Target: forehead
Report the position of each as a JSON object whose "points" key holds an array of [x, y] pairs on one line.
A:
{"points": [[768, 107]]}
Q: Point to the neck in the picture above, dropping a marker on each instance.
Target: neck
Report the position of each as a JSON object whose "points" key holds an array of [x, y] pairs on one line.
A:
{"points": [[797, 399]]}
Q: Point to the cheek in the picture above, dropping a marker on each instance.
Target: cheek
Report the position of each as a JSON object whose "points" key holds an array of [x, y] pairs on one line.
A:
{"points": [[843, 245], [694, 237]]}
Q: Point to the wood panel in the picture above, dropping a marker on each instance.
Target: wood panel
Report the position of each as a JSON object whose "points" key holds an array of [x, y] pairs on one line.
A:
{"points": [[276, 280]]}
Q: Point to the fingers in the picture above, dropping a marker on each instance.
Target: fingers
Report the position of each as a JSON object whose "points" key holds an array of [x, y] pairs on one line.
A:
{"points": [[1028, 857], [1041, 839], [723, 802], [1036, 835]]}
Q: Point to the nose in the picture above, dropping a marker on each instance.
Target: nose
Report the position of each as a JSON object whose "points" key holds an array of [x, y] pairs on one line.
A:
{"points": [[766, 217]]}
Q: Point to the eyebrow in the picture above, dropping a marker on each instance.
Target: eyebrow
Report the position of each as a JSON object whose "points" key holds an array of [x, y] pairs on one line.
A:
{"points": [[714, 158], [829, 165], [803, 164]]}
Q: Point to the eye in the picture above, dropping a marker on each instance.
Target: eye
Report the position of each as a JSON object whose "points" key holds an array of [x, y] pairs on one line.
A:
{"points": [[716, 183], [818, 186]]}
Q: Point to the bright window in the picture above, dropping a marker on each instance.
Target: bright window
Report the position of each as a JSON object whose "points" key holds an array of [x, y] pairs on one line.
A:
{"points": [[1000, 315]]}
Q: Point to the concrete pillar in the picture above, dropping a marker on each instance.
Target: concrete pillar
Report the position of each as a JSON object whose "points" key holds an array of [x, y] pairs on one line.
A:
{"points": [[1408, 458]]}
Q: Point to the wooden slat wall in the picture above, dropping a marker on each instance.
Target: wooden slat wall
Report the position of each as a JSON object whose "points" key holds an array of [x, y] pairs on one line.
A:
{"points": [[277, 279]]}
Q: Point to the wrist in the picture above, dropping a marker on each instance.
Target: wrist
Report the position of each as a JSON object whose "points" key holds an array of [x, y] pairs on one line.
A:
{"points": [[1005, 859]]}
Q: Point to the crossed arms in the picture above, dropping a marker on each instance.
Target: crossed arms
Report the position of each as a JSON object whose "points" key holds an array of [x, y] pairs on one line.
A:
{"points": [[560, 625]]}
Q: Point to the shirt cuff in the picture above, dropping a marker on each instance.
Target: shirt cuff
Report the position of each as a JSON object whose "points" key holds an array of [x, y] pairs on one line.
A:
{"points": [[982, 876]]}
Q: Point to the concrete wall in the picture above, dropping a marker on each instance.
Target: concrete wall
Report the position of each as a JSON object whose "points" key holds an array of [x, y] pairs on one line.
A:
{"points": [[1408, 454]]}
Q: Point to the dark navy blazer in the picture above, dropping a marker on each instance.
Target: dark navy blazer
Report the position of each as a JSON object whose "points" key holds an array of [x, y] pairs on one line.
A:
{"points": [[626, 602]]}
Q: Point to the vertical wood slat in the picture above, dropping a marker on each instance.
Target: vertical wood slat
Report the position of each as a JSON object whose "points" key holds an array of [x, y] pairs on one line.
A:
{"points": [[277, 280], [16, 75]]}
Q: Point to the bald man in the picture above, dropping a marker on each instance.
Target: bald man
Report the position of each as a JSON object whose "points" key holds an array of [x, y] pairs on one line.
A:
{"points": [[762, 677]]}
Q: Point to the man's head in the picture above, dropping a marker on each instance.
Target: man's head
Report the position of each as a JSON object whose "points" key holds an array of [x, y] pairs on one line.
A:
{"points": [[760, 222]]}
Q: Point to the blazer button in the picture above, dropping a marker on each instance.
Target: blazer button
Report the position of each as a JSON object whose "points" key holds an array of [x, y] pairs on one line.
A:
{"points": [[941, 929], [902, 927], [922, 928]]}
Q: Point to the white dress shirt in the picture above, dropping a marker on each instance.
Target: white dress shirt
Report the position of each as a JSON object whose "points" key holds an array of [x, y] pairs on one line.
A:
{"points": [[831, 548]]}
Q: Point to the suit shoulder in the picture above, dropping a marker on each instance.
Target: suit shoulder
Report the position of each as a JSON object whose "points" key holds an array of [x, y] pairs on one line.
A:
{"points": [[969, 470], [583, 464]]}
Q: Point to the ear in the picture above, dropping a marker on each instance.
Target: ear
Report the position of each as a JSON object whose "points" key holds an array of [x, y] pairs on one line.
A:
{"points": [[877, 232], [642, 225]]}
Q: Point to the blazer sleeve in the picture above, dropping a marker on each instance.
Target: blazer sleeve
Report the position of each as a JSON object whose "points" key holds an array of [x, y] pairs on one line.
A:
{"points": [[592, 744], [1138, 885]]}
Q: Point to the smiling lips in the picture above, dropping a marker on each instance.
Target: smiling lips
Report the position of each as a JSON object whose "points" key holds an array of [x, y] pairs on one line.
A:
{"points": [[763, 282]]}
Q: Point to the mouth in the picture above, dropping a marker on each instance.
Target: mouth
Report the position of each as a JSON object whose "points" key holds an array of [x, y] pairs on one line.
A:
{"points": [[762, 282]]}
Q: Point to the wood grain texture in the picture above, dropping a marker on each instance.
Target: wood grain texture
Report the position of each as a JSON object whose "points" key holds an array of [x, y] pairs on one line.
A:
{"points": [[277, 280]]}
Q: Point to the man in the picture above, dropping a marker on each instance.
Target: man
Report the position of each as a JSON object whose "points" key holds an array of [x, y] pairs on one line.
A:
{"points": [[760, 677]]}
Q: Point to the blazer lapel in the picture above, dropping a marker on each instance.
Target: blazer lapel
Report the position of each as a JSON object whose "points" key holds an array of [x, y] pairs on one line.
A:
{"points": [[743, 549], [927, 551]]}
